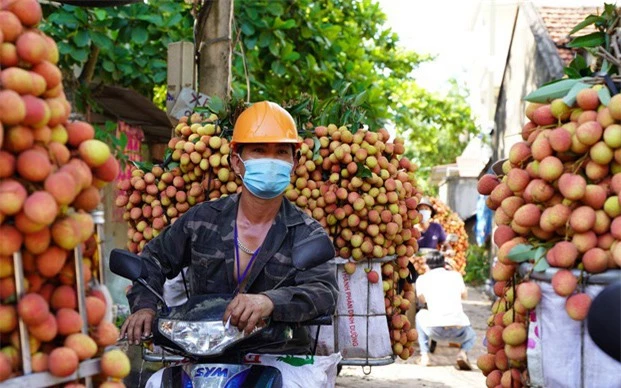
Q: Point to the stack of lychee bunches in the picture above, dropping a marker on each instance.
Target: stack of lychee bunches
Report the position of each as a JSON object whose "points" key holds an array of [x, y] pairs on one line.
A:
{"points": [[357, 185], [559, 190], [452, 224], [51, 171]]}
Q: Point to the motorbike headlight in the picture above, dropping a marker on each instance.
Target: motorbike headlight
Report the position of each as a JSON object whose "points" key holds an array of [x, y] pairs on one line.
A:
{"points": [[200, 338]]}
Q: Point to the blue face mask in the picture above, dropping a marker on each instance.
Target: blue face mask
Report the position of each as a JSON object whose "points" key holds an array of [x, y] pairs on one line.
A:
{"points": [[266, 178]]}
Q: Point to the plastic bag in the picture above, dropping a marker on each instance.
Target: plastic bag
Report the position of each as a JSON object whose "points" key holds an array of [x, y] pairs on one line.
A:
{"points": [[300, 371]]}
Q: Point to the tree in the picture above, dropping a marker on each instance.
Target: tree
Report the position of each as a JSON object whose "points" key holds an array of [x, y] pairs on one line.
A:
{"points": [[331, 60], [123, 45], [339, 48]]}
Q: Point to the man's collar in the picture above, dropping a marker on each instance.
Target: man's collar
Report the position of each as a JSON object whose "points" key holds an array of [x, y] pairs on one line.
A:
{"points": [[290, 216], [287, 212]]}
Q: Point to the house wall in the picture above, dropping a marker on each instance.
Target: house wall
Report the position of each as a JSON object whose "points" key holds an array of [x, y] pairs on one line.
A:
{"points": [[531, 63], [460, 194], [491, 29], [115, 236]]}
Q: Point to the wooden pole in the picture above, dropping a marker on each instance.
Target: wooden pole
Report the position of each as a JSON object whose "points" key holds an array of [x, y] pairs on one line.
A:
{"points": [[214, 48]]}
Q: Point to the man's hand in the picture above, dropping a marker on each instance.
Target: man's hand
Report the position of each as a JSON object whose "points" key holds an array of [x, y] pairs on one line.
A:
{"points": [[138, 325], [247, 310]]}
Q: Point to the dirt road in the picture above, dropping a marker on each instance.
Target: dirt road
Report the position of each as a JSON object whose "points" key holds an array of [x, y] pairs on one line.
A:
{"points": [[442, 372]]}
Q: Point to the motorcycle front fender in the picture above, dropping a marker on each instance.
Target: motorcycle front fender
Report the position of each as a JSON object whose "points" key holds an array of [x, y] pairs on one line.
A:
{"points": [[221, 376]]}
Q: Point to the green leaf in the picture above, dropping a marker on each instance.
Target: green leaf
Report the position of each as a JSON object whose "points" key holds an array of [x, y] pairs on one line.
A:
{"points": [[80, 55], [122, 140], [201, 109], [541, 265], [570, 97], [291, 57], [81, 15], [108, 66], [118, 23], [265, 39], [63, 18], [594, 39], [283, 25], [216, 105], [578, 63], [139, 35], [360, 98], [274, 8], [101, 40], [142, 62], [81, 38], [274, 49], [167, 153], [99, 13], [247, 28], [604, 95], [111, 126], [250, 42], [586, 22], [316, 148], [540, 252], [521, 253], [154, 19], [174, 20], [610, 10], [169, 7], [363, 171], [605, 66], [278, 68], [572, 73], [144, 166], [64, 48], [125, 34], [551, 91], [159, 64]]}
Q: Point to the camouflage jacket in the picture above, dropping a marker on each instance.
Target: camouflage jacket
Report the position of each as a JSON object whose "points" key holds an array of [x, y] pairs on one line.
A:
{"points": [[203, 240]]}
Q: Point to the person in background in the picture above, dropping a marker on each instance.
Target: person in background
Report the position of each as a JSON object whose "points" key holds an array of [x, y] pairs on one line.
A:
{"points": [[444, 319], [432, 233]]}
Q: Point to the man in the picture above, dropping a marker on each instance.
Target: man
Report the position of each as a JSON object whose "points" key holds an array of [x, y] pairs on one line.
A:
{"points": [[432, 233], [444, 318], [244, 243]]}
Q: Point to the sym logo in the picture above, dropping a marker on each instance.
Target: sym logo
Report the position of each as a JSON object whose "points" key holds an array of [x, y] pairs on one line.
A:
{"points": [[211, 372]]}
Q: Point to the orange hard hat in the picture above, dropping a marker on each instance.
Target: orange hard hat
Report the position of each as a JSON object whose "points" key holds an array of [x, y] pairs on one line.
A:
{"points": [[265, 122]]}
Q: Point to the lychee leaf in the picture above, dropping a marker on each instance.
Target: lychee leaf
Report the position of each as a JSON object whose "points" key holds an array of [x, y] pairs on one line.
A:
{"points": [[541, 265], [604, 95], [591, 19], [521, 253], [316, 148], [590, 40], [570, 98], [144, 166], [571, 72], [551, 91], [363, 171]]}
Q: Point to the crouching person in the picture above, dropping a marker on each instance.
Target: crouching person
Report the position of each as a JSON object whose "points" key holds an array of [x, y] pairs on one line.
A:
{"points": [[444, 319]]}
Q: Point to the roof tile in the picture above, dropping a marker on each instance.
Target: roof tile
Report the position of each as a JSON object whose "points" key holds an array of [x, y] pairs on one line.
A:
{"points": [[559, 21]]}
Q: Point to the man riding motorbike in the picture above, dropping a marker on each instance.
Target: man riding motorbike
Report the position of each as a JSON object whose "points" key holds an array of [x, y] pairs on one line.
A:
{"points": [[243, 244]]}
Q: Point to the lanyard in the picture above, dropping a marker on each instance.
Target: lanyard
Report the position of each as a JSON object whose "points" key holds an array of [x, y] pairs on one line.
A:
{"points": [[240, 278]]}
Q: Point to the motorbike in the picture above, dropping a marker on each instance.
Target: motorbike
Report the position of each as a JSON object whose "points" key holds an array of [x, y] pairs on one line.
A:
{"points": [[215, 353]]}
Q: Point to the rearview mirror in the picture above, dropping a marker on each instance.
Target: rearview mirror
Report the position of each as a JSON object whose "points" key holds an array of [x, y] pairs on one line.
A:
{"points": [[312, 252], [127, 264]]}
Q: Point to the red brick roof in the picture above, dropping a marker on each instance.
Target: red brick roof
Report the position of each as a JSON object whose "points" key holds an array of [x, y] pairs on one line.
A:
{"points": [[559, 21]]}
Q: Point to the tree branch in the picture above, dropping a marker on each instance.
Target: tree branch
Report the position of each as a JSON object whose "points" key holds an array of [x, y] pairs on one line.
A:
{"points": [[89, 67]]}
